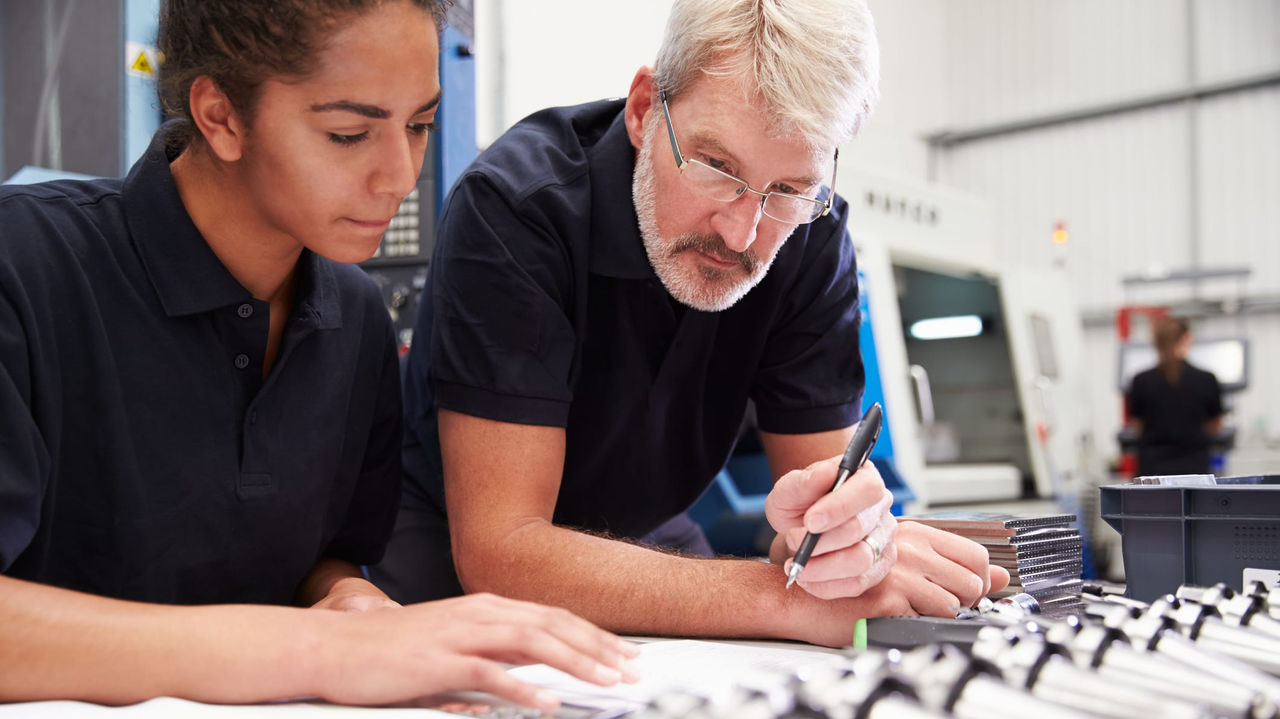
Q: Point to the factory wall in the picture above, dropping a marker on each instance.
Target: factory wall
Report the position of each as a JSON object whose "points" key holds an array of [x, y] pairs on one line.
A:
{"points": [[535, 55], [1190, 184]]}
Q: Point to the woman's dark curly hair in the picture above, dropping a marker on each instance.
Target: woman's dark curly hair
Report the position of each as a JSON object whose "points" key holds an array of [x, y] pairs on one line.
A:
{"points": [[239, 44]]}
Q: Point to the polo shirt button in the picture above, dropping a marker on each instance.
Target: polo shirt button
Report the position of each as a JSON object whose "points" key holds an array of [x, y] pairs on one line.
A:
{"points": [[242, 361], [245, 310], [253, 417]]}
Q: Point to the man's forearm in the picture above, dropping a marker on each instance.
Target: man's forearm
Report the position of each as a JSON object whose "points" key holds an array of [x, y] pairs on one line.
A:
{"points": [[68, 645], [635, 590], [504, 542]]}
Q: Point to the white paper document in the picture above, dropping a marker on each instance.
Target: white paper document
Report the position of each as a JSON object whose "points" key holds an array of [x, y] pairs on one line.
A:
{"points": [[710, 669]]}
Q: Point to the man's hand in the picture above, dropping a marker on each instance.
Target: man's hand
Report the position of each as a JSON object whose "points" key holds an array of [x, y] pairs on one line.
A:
{"points": [[919, 569], [936, 574], [340, 585], [462, 643], [853, 520], [354, 594]]}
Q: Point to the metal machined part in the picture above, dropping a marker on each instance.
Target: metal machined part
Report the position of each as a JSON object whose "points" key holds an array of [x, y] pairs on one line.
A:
{"points": [[674, 704], [864, 687], [1017, 606], [746, 703], [1156, 634], [1270, 599], [971, 688], [1205, 595], [1254, 648], [894, 706], [1048, 672], [818, 692], [1126, 651], [1117, 615], [1203, 624], [1249, 611], [984, 696], [1119, 600], [1164, 675], [1237, 609]]}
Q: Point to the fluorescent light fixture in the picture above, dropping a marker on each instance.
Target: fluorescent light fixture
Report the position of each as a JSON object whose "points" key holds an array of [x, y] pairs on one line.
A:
{"points": [[945, 328]]}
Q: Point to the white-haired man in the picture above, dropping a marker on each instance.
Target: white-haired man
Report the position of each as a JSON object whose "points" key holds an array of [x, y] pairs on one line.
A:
{"points": [[612, 283]]}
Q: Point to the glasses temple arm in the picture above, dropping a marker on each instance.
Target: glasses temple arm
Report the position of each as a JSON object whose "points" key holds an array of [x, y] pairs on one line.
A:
{"points": [[831, 195], [675, 146]]}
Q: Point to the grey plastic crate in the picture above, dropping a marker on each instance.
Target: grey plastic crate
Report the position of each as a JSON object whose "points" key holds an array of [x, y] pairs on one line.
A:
{"points": [[1173, 535]]}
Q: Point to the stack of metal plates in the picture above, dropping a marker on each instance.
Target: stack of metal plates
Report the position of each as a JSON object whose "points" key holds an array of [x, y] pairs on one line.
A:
{"points": [[1041, 552]]}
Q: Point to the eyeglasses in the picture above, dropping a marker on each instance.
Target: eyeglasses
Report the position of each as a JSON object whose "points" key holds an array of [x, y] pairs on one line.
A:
{"points": [[793, 209]]}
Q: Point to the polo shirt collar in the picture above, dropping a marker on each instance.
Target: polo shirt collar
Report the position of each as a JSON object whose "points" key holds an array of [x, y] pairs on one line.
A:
{"points": [[318, 291], [186, 274], [616, 248]]}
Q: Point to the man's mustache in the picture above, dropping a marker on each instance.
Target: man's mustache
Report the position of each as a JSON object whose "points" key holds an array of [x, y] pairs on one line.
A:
{"points": [[714, 246]]}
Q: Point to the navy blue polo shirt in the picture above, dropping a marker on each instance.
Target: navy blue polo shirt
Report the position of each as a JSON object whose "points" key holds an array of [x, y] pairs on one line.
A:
{"points": [[543, 309], [143, 456]]}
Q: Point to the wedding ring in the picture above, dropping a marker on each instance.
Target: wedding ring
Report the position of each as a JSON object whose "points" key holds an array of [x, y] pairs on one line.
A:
{"points": [[876, 549]]}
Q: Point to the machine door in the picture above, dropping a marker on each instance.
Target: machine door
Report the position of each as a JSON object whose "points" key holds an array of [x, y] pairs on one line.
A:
{"points": [[971, 423], [1046, 341]]}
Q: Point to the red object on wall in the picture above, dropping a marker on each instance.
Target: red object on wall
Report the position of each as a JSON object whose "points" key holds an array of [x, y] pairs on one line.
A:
{"points": [[1127, 466]]}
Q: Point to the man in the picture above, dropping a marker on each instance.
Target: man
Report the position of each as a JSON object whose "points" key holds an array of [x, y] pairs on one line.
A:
{"points": [[612, 283]]}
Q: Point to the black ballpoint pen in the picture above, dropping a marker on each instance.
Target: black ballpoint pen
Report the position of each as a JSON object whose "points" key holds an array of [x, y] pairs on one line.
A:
{"points": [[864, 438]]}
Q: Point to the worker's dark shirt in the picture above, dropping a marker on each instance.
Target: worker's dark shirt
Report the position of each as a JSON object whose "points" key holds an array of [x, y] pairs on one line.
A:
{"points": [[545, 311], [142, 455], [1173, 439]]}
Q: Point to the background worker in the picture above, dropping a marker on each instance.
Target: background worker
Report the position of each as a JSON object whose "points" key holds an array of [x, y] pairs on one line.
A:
{"points": [[1174, 407]]}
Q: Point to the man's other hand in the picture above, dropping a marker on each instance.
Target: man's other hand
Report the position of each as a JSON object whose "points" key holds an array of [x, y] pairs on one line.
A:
{"points": [[353, 594], [937, 572]]}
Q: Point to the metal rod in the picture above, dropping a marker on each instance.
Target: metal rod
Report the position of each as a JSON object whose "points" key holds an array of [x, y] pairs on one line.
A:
{"points": [[1193, 151], [951, 138]]}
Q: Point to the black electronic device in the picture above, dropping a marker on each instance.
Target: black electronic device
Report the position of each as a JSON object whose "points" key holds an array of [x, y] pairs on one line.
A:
{"points": [[1227, 358], [400, 264]]}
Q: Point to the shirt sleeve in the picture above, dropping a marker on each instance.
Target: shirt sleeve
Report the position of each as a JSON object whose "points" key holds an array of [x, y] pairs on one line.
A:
{"points": [[502, 345], [24, 455], [811, 375], [371, 514]]}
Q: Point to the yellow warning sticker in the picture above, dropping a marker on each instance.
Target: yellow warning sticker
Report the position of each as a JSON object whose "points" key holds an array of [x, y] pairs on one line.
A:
{"points": [[140, 60], [142, 65]]}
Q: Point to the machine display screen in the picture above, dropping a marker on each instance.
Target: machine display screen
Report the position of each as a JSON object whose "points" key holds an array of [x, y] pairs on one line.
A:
{"points": [[1227, 359]]}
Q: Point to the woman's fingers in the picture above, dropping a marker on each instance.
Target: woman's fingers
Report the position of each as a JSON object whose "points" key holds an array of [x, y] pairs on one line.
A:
{"points": [[488, 676], [573, 631]]}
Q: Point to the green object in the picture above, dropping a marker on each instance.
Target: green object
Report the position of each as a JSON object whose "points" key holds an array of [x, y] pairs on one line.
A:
{"points": [[860, 634]]}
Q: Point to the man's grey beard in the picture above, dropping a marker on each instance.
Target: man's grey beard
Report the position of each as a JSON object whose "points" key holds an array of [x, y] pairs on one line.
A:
{"points": [[704, 288]]}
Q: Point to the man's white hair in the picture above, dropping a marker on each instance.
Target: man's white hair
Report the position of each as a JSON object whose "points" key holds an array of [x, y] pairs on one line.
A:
{"points": [[816, 63]]}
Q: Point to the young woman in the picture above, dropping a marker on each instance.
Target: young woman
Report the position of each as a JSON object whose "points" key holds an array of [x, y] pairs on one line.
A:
{"points": [[201, 401]]}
